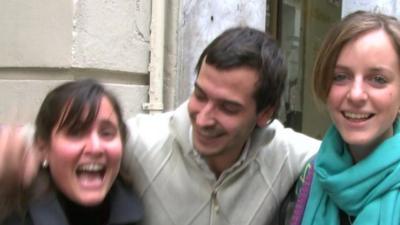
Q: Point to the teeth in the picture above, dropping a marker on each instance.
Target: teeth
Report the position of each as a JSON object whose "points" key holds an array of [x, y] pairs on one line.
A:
{"points": [[93, 167], [356, 115], [209, 133]]}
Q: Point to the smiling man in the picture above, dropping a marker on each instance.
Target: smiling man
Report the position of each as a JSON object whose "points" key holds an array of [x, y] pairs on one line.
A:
{"points": [[221, 157]]}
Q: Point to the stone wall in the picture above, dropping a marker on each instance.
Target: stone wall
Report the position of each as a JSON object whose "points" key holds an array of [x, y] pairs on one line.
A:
{"points": [[44, 43]]}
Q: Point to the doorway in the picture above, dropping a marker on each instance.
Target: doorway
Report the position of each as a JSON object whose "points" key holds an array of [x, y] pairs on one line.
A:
{"points": [[299, 26]]}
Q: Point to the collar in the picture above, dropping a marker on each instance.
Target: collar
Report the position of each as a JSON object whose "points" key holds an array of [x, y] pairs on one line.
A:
{"points": [[125, 207]]}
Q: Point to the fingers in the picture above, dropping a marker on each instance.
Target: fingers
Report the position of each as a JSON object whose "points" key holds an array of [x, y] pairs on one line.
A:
{"points": [[6, 158], [32, 160], [17, 164], [11, 154]]}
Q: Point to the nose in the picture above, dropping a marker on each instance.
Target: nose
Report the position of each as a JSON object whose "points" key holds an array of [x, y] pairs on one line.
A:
{"points": [[93, 144], [205, 116], [357, 93]]}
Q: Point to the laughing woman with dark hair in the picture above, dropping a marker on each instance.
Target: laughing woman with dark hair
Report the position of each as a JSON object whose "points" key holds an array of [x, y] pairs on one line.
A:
{"points": [[81, 134]]}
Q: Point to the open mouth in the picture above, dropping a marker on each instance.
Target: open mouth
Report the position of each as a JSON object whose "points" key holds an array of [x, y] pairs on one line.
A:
{"points": [[91, 175], [357, 116], [210, 133], [208, 137]]}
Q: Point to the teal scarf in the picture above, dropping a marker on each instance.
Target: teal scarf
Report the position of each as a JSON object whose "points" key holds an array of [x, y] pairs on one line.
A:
{"points": [[368, 190]]}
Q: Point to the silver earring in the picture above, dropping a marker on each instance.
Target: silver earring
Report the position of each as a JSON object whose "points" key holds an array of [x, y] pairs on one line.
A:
{"points": [[45, 164]]}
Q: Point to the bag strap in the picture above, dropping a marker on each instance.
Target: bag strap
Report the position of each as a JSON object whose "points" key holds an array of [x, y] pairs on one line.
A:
{"points": [[302, 199]]}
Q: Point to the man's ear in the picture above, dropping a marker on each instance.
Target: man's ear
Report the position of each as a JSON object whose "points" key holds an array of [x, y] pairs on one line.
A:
{"points": [[264, 116]]}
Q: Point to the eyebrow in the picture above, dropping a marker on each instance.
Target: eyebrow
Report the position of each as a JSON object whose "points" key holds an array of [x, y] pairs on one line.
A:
{"points": [[371, 69], [197, 86], [378, 69], [342, 67], [224, 101]]}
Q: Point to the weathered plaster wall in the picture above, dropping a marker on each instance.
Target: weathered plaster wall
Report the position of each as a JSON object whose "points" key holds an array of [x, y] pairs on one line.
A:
{"points": [[35, 33], [23, 98], [43, 43], [201, 21], [391, 7], [111, 35]]}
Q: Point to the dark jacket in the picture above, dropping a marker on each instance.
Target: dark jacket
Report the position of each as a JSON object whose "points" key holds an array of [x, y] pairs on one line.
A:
{"points": [[125, 209]]}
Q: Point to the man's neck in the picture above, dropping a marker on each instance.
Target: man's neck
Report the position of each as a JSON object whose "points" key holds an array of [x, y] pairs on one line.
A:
{"points": [[219, 163]]}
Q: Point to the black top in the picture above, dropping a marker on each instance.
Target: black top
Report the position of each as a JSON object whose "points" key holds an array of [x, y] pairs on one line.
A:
{"points": [[345, 219], [81, 215], [120, 207]]}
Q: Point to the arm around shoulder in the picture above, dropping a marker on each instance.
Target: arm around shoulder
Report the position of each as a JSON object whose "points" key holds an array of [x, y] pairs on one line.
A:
{"points": [[300, 147]]}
